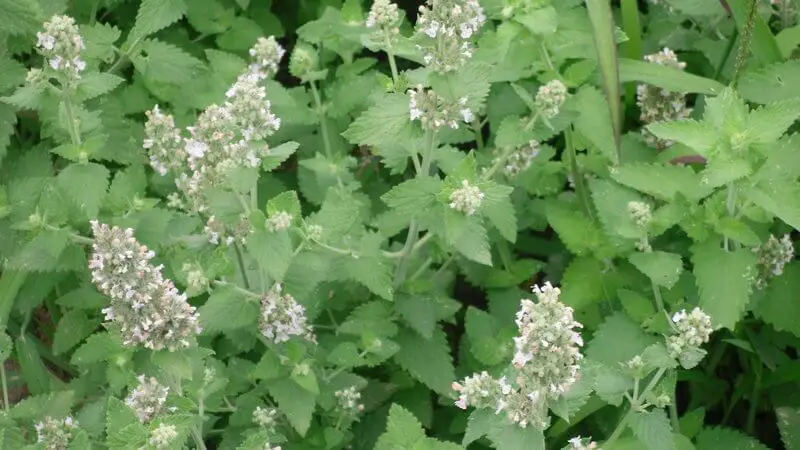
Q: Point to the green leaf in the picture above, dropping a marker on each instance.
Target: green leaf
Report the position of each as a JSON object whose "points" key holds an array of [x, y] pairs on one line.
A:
{"points": [[789, 424], [42, 253], [8, 119], [611, 383], [497, 207], [73, 327], [486, 343], [295, 402], [666, 77], [772, 83], [763, 45], [160, 61], [123, 427], [384, 124], [85, 185], [155, 15], [272, 250], [781, 199], [468, 236], [56, 404], [542, 21], [663, 269], [403, 431], [427, 360], [653, 430], [696, 135], [418, 312], [19, 17], [277, 155], [98, 347], [127, 185], [470, 81], [36, 375], [617, 340], [720, 438], [723, 280], [99, 39], [95, 84], [578, 233], [504, 434], [767, 124], [611, 201], [597, 126], [777, 307], [413, 196], [227, 310], [662, 181], [370, 267]]}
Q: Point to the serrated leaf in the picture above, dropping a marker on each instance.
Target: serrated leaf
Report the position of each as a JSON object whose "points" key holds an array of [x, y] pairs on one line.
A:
{"points": [[781, 199], [277, 155], [227, 310], [53, 404], [611, 384], [384, 124], [485, 341], [85, 185], [611, 201], [272, 250], [578, 233], [468, 236], [663, 269], [720, 438], [789, 425], [617, 340], [73, 327], [99, 39], [127, 185], [123, 428], [295, 402], [427, 360], [98, 347], [403, 431], [771, 83], [165, 62], [662, 181], [696, 135], [95, 84], [767, 124], [42, 253], [370, 268], [470, 82], [777, 307], [724, 281], [597, 128], [418, 312], [19, 17], [155, 15], [497, 207], [541, 21], [413, 196], [8, 119], [653, 430]]}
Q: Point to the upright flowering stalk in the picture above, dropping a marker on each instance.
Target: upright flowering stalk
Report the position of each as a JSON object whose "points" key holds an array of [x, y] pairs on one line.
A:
{"points": [[434, 111], [692, 330], [384, 18], [282, 317], [446, 29], [546, 363], [225, 137], [467, 198], [518, 160], [61, 44], [146, 307], [550, 97], [772, 258], [148, 399], [55, 434], [660, 105]]}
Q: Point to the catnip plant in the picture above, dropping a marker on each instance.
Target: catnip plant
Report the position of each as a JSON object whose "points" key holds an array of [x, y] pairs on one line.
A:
{"points": [[366, 224]]}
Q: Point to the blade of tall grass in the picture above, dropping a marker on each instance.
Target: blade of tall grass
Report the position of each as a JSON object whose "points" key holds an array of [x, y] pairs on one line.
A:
{"points": [[603, 31], [632, 49]]}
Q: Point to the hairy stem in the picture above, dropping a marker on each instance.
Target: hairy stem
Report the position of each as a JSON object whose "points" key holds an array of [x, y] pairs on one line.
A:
{"points": [[240, 263], [577, 177], [635, 404], [751, 413], [392, 64], [5, 385], [322, 122], [726, 54]]}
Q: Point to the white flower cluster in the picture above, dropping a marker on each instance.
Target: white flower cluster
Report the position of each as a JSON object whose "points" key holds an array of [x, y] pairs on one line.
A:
{"points": [[225, 137], [640, 213], [546, 363], [162, 436], [266, 55], [266, 418], [467, 198], [196, 280], [148, 399], [692, 331], [384, 16], [550, 97], [219, 232], [447, 28], [659, 105], [61, 43], [434, 112], [579, 443], [282, 317], [520, 159], [349, 401], [772, 258], [55, 434], [279, 221], [148, 309]]}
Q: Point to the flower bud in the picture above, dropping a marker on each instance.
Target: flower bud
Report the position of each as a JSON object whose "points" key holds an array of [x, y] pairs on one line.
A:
{"points": [[303, 61]]}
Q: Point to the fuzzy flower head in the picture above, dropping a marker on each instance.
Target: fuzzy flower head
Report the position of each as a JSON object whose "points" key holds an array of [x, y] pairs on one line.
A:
{"points": [[384, 16], [772, 258], [520, 159], [446, 29], [266, 418], [349, 401], [163, 142], [221, 233], [548, 346], [579, 443], [279, 221], [481, 390], [692, 330], [640, 213], [661, 105], [467, 198], [303, 60], [282, 317], [146, 307], [55, 434], [61, 44], [148, 399], [266, 56], [435, 112], [248, 105], [550, 97], [162, 436]]}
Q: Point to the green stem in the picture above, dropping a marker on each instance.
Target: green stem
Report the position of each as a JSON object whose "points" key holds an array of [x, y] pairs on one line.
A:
{"points": [[635, 405], [5, 384], [336, 250], [673, 415], [659, 299], [242, 269], [730, 204], [236, 288], [499, 163], [74, 132], [577, 177], [124, 56], [751, 413], [726, 54], [323, 123], [392, 64], [198, 438]]}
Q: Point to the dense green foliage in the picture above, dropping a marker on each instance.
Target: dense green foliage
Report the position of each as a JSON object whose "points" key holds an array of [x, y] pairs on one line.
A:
{"points": [[341, 240]]}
